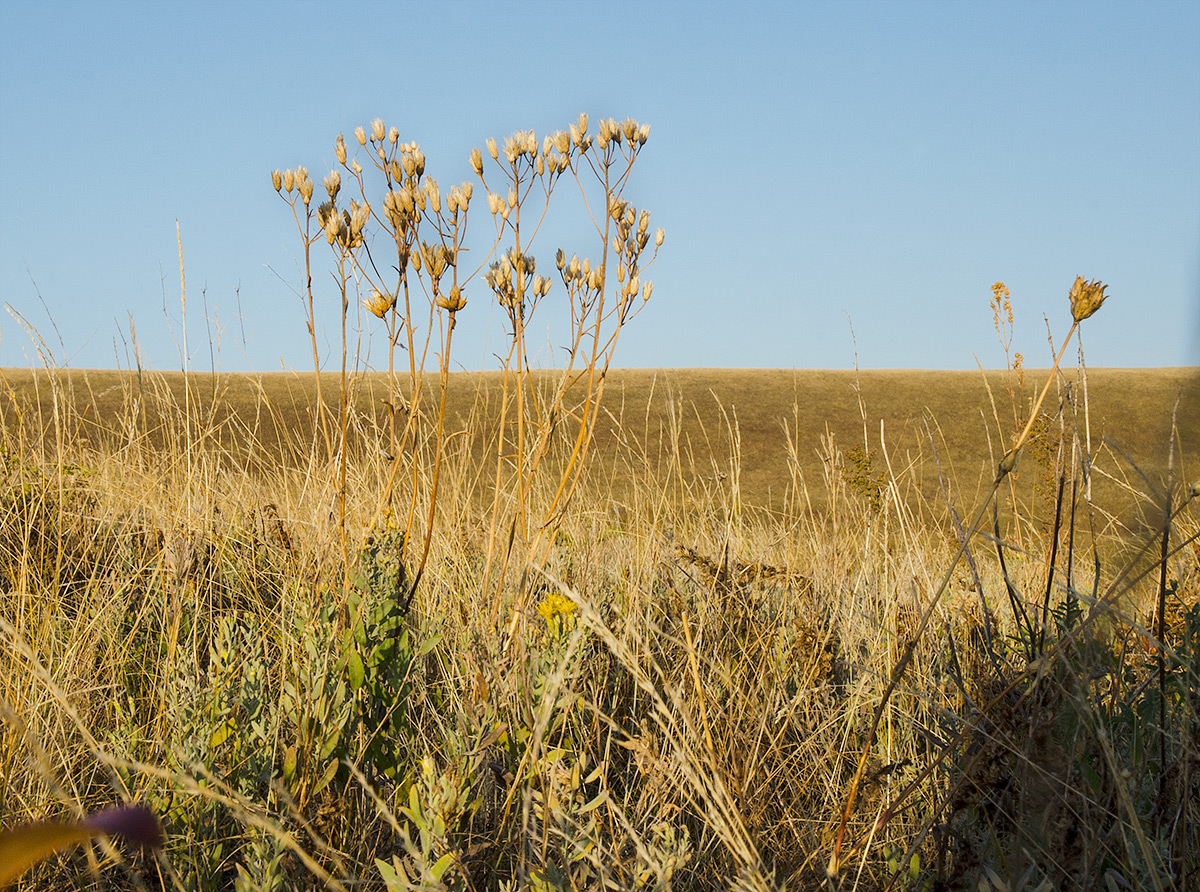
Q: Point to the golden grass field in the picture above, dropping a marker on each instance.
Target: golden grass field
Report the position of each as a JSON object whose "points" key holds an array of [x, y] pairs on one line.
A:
{"points": [[678, 681], [262, 417]]}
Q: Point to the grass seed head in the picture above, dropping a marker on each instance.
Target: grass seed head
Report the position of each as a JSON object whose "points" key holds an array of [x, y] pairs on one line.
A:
{"points": [[1086, 297]]}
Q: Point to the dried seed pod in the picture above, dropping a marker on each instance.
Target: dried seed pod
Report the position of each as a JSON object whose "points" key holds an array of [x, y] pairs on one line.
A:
{"points": [[277, 180], [379, 303], [333, 184], [378, 131], [360, 135], [340, 149], [1086, 297], [643, 134], [477, 162], [393, 135], [659, 235], [289, 180], [491, 145]]}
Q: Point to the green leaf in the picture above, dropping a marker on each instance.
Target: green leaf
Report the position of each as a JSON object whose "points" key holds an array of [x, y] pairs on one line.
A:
{"points": [[222, 733], [594, 804], [428, 645], [391, 877], [443, 864], [355, 671], [326, 777], [289, 763]]}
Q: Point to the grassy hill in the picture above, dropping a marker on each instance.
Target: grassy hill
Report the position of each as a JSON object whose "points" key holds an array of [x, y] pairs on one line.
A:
{"points": [[785, 422]]}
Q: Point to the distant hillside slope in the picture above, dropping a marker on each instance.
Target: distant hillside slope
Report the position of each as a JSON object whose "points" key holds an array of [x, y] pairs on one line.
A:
{"points": [[930, 422]]}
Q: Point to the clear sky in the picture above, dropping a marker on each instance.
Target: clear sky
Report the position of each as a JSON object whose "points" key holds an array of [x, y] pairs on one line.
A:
{"points": [[814, 165]]}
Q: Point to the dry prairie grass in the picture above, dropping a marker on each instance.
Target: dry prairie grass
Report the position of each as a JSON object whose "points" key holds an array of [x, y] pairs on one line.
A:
{"points": [[688, 713]]}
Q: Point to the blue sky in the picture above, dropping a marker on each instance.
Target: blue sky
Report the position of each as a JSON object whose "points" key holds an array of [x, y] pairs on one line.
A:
{"points": [[814, 165]]}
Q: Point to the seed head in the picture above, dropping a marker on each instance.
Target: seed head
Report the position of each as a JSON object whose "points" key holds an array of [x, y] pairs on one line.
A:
{"points": [[355, 166], [491, 146], [360, 135], [379, 303], [378, 131], [582, 123], [289, 179], [1086, 297], [540, 165], [393, 135], [562, 141], [435, 195], [277, 180], [643, 134], [453, 301], [477, 162], [560, 260], [647, 289], [419, 160], [631, 129], [495, 203], [659, 235], [340, 148], [333, 183]]}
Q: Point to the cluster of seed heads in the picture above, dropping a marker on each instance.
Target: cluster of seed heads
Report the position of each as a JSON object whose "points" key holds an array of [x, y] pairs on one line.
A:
{"points": [[578, 273], [513, 277], [296, 179], [633, 235]]}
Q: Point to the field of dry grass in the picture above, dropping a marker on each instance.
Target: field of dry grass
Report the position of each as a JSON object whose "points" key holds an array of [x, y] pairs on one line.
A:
{"points": [[683, 684], [779, 418]]}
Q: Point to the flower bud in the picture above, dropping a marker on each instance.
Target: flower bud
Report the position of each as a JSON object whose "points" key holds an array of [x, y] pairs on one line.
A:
{"points": [[360, 135], [277, 180], [477, 162], [340, 149], [377, 129]]}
